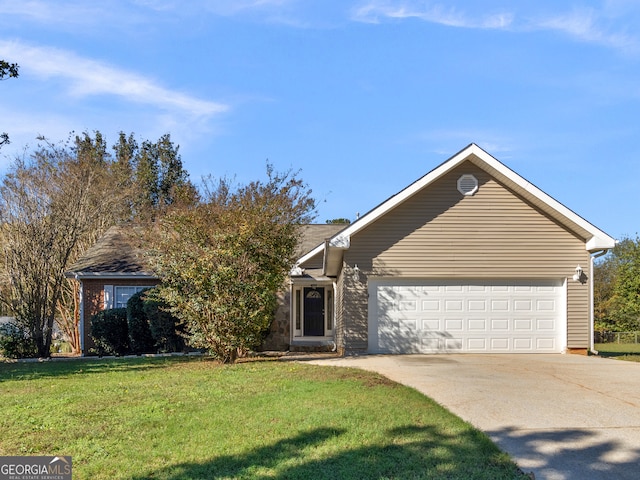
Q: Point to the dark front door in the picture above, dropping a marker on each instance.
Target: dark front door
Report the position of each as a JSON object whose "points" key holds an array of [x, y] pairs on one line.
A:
{"points": [[314, 312]]}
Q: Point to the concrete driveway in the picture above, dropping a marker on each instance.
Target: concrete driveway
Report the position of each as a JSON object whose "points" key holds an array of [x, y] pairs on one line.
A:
{"points": [[558, 416]]}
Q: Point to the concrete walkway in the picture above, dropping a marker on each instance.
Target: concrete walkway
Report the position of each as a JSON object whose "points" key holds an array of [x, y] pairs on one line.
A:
{"points": [[559, 416]]}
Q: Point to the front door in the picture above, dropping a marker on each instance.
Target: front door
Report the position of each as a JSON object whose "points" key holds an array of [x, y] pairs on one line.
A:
{"points": [[314, 312]]}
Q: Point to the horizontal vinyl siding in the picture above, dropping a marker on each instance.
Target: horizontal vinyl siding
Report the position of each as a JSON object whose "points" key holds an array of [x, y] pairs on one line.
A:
{"points": [[314, 262], [493, 234], [439, 233]]}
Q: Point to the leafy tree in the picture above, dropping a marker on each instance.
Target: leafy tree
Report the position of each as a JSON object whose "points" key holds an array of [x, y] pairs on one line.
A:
{"points": [[617, 288], [223, 260], [345, 221], [158, 176], [7, 70]]}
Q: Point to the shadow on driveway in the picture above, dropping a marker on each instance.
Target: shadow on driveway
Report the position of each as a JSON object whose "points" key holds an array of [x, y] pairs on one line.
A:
{"points": [[570, 454]]}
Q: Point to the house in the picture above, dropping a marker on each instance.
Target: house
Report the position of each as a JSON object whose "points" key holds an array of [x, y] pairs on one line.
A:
{"points": [[469, 258], [109, 273]]}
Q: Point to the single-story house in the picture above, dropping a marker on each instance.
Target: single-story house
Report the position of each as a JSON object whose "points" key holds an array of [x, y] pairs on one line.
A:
{"points": [[109, 273], [469, 258]]}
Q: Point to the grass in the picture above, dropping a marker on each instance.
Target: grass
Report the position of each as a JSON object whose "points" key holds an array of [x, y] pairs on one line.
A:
{"points": [[182, 418], [620, 351]]}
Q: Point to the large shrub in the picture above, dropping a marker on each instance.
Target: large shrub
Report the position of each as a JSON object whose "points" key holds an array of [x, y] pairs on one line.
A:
{"points": [[15, 342], [165, 328], [140, 337], [110, 332]]}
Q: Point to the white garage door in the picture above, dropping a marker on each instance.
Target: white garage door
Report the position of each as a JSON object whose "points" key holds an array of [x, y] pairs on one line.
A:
{"points": [[448, 316]]}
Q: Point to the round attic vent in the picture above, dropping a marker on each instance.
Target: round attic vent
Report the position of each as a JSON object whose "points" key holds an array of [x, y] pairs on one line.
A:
{"points": [[467, 184]]}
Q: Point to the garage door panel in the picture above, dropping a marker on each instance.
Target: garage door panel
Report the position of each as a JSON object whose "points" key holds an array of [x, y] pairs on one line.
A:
{"points": [[477, 324], [500, 305], [475, 317], [498, 324], [522, 324], [500, 344]]}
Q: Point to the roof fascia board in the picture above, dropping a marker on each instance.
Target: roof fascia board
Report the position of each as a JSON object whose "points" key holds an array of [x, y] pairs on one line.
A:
{"points": [[111, 276]]}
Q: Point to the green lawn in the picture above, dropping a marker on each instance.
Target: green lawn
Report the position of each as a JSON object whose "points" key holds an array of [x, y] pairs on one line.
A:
{"points": [[621, 351], [179, 418]]}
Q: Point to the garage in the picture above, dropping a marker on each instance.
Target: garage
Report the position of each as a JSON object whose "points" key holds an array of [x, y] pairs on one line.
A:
{"points": [[411, 316]]}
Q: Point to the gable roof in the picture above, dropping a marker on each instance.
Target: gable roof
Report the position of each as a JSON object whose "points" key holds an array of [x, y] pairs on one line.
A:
{"points": [[595, 239], [116, 254]]}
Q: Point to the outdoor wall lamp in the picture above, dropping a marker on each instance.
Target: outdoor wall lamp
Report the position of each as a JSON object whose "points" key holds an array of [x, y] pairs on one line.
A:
{"points": [[578, 275], [356, 273]]}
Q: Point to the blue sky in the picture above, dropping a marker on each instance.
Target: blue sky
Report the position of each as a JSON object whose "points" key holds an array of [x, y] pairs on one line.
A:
{"points": [[363, 96]]}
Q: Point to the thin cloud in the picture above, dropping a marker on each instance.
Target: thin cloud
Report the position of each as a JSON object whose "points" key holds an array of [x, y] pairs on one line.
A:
{"points": [[69, 12], [584, 25], [373, 12], [588, 25], [86, 77]]}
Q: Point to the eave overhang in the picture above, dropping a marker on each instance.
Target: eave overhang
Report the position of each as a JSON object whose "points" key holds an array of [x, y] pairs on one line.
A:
{"points": [[111, 275]]}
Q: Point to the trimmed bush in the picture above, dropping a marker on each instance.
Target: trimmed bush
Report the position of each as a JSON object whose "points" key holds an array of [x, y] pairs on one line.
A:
{"points": [[15, 342], [165, 328], [140, 337], [110, 332]]}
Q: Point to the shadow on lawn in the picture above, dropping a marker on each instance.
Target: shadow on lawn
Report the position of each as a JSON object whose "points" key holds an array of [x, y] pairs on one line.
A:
{"points": [[569, 454], [408, 452], [86, 365]]}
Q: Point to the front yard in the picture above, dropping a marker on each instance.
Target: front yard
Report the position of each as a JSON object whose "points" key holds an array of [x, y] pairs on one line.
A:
{"points": [[620, 351], [179, 418]]}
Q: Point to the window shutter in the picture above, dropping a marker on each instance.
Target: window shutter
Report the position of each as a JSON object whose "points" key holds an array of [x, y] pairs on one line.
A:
{"points": [[108, 297]]}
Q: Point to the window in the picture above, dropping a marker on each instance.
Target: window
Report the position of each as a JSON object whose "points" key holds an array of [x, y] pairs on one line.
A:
{"points": [[123, 294], [329, 309], [298, 309]]}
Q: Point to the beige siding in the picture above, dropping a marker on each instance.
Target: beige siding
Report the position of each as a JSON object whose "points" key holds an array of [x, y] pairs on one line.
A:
{"points": [[495, 234], [314, 262]]}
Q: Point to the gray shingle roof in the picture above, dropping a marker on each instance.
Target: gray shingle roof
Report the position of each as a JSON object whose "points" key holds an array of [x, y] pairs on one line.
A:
{"points": [[118, 251]]}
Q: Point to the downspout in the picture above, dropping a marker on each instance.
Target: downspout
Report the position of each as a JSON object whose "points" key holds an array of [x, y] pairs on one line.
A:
{"points": [[333, 320], [592, 306]]}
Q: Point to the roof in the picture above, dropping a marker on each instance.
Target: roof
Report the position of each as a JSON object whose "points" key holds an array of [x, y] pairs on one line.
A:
{"points": [[595, 239], [116, 254], [313, 235]]}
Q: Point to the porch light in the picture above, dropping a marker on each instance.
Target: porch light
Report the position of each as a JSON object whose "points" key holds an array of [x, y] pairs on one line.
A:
{"points": [[356, 273], [578, 275]]}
